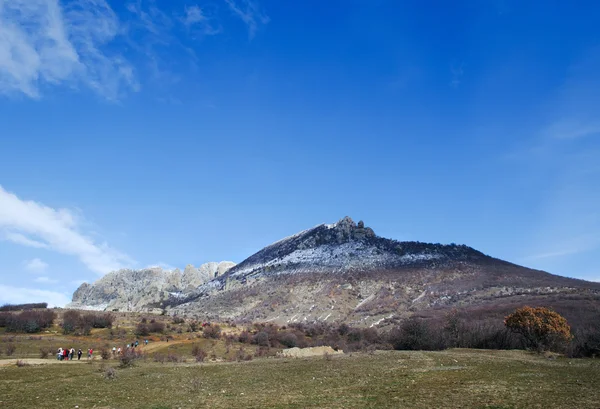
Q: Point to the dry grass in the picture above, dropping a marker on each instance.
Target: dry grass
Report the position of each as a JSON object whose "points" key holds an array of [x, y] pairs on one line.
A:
{"points": [[450, 379]]}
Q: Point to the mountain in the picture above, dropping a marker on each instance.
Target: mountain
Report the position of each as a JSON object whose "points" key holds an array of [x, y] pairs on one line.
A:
{"points": [[342, 272], [145, 289], [345, 272]]}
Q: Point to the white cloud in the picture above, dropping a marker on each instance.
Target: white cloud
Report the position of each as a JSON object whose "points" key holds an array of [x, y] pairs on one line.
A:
{"points": [[250, 14], [36, 265], [45, 280], [17, 295], [196, 17], [20, 239], [44, 43], [56, 229]]}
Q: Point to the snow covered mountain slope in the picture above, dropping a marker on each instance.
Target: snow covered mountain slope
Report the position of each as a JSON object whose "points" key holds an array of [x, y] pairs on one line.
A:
{"points": [[344, 272]]}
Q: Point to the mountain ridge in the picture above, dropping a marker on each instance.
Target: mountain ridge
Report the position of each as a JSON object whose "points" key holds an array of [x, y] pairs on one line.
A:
{"points": [[344, 272]]}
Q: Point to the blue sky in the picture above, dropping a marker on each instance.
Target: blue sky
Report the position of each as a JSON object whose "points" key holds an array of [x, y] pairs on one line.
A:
{"points": [[172, 132]]}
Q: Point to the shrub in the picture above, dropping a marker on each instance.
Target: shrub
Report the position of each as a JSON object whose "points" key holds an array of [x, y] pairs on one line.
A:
{"points": [[44, 353], [141, 330], [10, 349], [541, 328], [105, 353], [172, 357], [28, 321], [158, 357], [343, 329], [288, 340], [21, 363], [414, 334], [261, 339], [586, 342], [23, 307], [245, 337], [157, 327], [198, 353], [128, 358], [178, 320], [212, 331], [110, 373]]}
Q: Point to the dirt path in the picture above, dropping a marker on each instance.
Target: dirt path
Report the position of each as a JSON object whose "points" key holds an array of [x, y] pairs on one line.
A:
{"points": [[39, 361]]}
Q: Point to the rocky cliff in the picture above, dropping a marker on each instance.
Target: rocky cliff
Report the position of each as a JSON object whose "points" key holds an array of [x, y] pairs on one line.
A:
{"points": [[145, 289]]}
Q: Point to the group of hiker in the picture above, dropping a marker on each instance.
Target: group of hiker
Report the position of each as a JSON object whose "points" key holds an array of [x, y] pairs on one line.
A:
{"points": [[68, 354]]}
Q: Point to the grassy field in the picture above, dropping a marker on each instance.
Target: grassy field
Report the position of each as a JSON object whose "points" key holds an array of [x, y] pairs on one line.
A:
{"points": [[450, 379]]}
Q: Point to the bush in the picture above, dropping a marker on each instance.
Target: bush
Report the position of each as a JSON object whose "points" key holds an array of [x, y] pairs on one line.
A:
{"points": [[44, 353], [586, 342], [414, 334], [158, 357], [198, 353], [128, 358], [245, 337], [288, 340], [110, 373], [27, 321], [212, 331], [10, 349], [261, 339], [157, 327], [178, 320], [21, 363], [105, 353], [541, 328], [141, 330], [23, 307]]}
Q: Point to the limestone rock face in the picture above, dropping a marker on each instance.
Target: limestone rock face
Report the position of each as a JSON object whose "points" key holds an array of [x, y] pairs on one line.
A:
{"points": [[145, 289]]}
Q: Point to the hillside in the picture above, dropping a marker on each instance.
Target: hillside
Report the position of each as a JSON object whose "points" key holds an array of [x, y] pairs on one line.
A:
{"points": [[345, 272]]}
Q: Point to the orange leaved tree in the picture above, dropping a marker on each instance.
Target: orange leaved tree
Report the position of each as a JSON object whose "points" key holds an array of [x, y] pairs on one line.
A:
{"points": [[542, 328]]}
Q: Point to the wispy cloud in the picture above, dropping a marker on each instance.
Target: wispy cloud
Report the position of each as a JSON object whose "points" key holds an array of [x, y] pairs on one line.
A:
{"points": [[83, 44], [36, 265], [43, 43], [31, 223], [21, 239], [250, 13], [197, 19], [18, 295], [45, 280]]}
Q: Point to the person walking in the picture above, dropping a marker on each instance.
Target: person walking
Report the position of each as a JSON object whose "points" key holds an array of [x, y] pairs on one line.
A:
{"points": [[79, 353], [71, 354], [114, 351], [65, 354], [59, 355]]}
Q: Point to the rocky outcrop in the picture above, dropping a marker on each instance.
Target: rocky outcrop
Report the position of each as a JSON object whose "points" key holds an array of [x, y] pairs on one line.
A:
{"points": [[145, 289]]}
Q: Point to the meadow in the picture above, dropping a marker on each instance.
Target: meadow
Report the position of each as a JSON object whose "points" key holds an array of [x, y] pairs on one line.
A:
{"points": [[186, 367], [451, 379]]}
